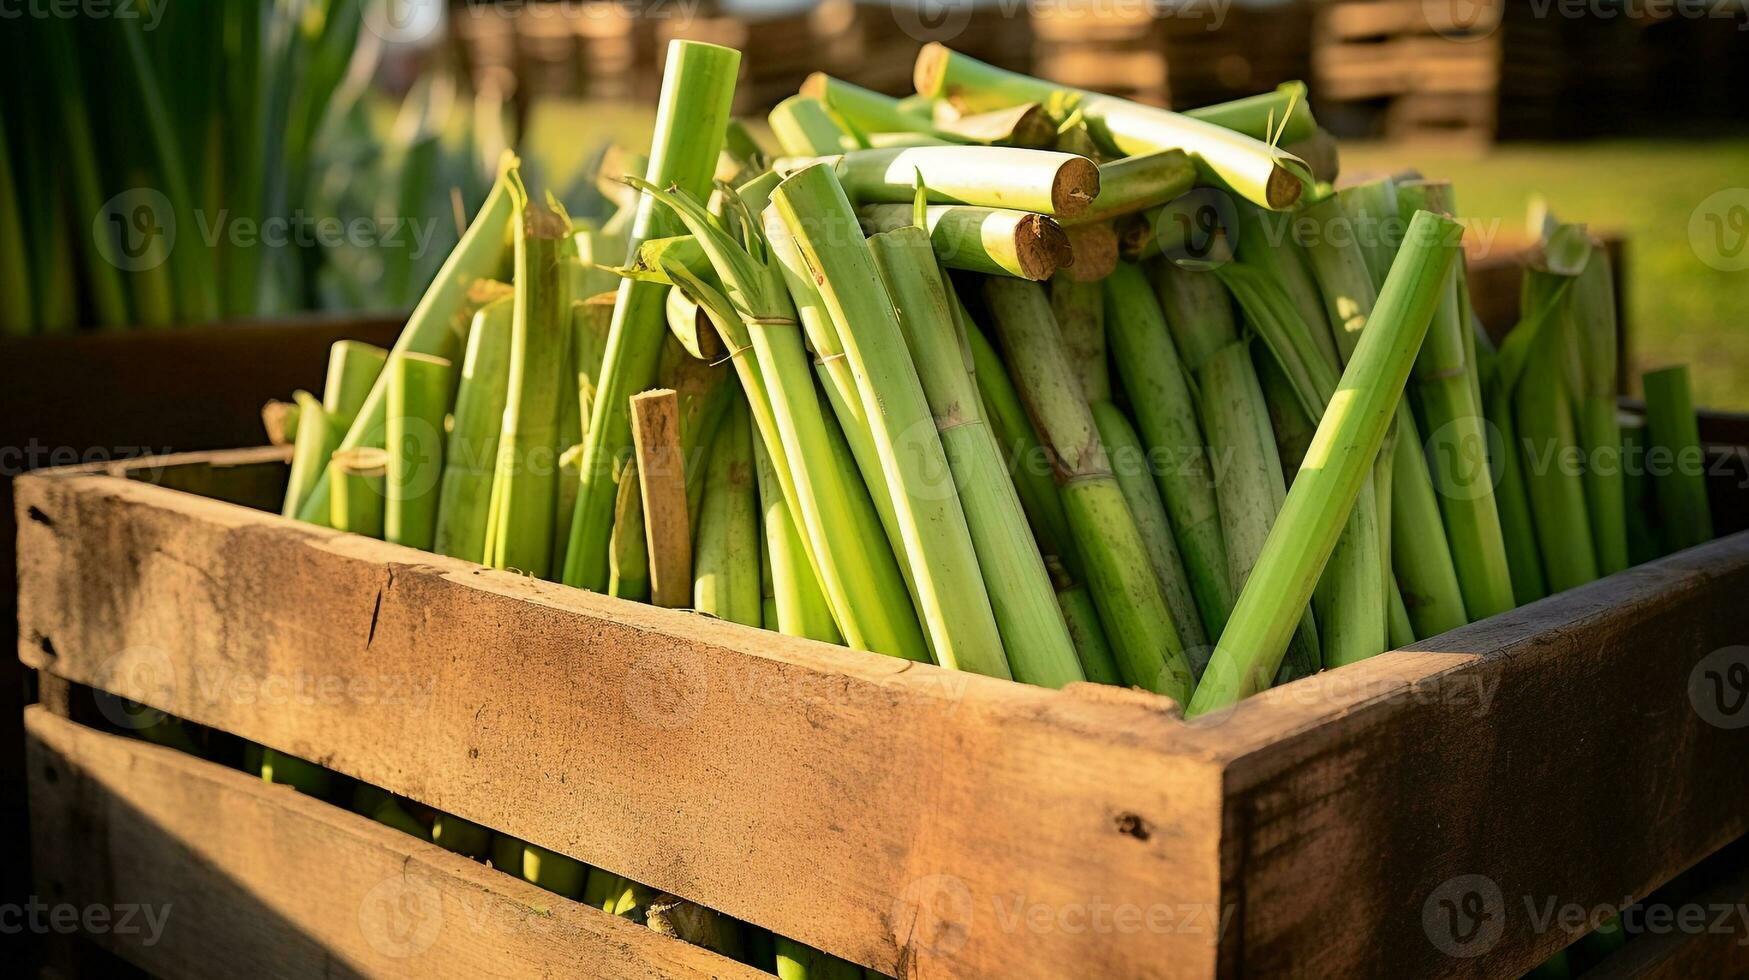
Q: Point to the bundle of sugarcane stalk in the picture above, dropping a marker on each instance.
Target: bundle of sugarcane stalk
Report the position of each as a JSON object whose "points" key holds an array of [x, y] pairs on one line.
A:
{"points": [[857, 394]]}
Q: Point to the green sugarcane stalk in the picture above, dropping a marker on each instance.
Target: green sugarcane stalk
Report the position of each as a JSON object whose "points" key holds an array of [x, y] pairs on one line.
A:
{"points": [[1266, 241], [553, 871], [846, 419], [1594, 318], [692, 114], [1340, 267], [383, 807], [1371, 209], [804, 127], [799, 606], [692, 923], [1254, 169], [1132, 607], [357, 494], [1129, 463], [1138, 183], [1673, 437], [1154, 378], [318, 435], [353, 370], [628, 555], [1457, 439], [992, 241], [938, 546], [1235, 423], [590, 320], [1079, 309], [726, 559], [1039, 498], [1548, 443], [1338, 467], [1643, 543], [1033, 635], [1041, 181], [433, 328], [1283, 114], [1511, 493], [840, 524], [795, 961], [864, 109], [1287, 416], [525, 477], [459, 836], [419, 399], [470, 458], [705, 392]]}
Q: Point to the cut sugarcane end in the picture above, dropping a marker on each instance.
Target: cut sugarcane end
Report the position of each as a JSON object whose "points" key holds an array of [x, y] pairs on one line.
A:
{"points": [[1075, 186], [1042, 246]]}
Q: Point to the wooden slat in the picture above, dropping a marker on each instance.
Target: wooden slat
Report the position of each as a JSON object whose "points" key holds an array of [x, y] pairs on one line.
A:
{"points": [[816, 791], [220, 875]]}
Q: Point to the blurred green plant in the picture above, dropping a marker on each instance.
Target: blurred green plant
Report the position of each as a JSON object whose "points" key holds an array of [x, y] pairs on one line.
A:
{"points": [[230, 160]]}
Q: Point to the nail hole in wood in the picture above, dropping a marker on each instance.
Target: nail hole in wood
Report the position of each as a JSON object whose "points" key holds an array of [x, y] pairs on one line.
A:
{"points": [[1132, 825], [38, 516], [46, 645]]}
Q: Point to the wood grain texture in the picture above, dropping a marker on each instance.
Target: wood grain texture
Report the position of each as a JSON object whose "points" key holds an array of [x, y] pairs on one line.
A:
{"points": [[1554, 751], [232, 876], [924, 822]]}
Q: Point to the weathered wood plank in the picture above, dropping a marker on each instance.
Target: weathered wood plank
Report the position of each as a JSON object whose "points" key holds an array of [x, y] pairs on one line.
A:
{"points": [[1565, 752], [218, 875], [819, 792]]}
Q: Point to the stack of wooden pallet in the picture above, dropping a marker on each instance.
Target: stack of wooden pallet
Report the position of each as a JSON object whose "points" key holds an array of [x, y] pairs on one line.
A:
{"points": [[1188, 53], [1433, 68], [875, 44]]}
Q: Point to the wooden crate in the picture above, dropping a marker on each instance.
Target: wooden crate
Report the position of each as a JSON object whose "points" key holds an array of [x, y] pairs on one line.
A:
{"points": [[919, 821], [209, 872], [103, 395]]}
